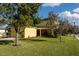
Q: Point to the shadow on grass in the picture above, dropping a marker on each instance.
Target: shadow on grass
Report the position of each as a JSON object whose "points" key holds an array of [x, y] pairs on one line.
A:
{"points": [[37, 40], [34, 40], [4, 42]]}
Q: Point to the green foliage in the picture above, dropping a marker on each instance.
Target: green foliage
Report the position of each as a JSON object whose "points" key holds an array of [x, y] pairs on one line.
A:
{"points": [[19, 15], [65, 28], [2, 21], [42, 22], [58, 26], [37, 21]]}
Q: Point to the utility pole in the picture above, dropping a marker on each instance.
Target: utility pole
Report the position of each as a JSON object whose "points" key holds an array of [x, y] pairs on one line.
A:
{"points": [[74, 29]]}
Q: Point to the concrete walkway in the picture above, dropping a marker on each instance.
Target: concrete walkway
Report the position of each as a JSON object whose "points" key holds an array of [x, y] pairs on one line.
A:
{"points": [[7, 39]]}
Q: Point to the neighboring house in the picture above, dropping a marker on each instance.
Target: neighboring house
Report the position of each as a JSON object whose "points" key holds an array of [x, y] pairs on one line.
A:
{"points": [[2, 32]]}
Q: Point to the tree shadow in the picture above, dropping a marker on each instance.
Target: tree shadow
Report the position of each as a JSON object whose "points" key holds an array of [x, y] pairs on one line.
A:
{"points": [[37, 40], [5, 42], [34, 40]]}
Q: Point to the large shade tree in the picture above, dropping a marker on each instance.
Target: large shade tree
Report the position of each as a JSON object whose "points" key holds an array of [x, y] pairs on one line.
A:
{"points": [[19, 15]]}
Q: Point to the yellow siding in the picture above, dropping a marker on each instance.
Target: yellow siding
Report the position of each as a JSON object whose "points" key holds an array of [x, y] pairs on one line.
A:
{"points": [[30, 32]]}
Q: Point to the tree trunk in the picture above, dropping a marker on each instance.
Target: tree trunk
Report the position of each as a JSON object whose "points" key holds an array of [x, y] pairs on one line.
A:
{"points": [[16, 40]]}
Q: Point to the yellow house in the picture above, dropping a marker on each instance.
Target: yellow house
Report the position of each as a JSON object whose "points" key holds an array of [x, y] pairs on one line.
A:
{"points": [[35, 31], [30, 32]]}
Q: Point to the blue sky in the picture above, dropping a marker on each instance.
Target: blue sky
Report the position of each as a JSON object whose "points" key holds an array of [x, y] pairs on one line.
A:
{"points": [[44, 10], [66, 10]]}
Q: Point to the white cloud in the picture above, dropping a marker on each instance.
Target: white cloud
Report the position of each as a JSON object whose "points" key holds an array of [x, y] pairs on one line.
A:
{"points": [[68, 14], [51, 4], [71, 17], [65, 14], [75, 15], [76, 10]]}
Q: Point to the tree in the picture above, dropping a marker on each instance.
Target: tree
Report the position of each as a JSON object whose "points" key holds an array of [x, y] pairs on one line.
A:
{"points": [[37, 20], [53, 24], [65, 27], [19, 15]]}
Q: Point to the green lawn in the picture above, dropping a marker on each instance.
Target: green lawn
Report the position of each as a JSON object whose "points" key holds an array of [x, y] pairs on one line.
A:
{"points": [[42, 47]]}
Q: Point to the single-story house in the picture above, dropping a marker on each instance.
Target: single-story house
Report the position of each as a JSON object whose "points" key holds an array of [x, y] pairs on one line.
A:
{"points": [[30, 32], [40, 30], [35, 31]]}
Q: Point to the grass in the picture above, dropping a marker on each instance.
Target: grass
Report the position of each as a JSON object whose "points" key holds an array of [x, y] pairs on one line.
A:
{"points": [[41, 46]]}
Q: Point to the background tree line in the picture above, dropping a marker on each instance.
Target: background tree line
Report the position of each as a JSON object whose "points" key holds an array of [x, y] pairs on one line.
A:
{"points": [[59, 27]]}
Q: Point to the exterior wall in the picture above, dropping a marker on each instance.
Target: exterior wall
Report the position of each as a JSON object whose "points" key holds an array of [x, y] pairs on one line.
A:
{"points": [[2, 33], [30, 32]]}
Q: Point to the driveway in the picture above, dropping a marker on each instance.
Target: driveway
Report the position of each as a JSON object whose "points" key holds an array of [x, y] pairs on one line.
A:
{"points": [[77, 37]]}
